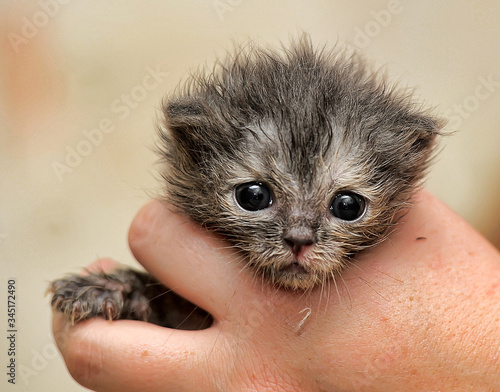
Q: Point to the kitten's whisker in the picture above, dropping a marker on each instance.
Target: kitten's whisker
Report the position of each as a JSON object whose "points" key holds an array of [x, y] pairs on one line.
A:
{"points": [[336, 286], [365, 281], [355, 265], [325, 285], [388, 275], [322, 289], [328, 298], [347, 289], [167, 291], [220, 329], [195, 308]]}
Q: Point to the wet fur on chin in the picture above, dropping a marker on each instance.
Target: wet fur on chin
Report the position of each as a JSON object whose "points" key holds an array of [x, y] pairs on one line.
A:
{"points": [[308, 123]]}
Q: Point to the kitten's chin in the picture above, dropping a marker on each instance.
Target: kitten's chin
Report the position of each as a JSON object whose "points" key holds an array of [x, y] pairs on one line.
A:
{"points": [[295, 276]]}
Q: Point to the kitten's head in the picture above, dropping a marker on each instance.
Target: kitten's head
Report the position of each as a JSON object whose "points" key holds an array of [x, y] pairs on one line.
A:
{"points": [[301, 158]]}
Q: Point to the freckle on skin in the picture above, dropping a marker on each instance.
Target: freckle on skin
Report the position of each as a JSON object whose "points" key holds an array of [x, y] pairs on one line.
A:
{"points": [[492, 290], [145, 353]]}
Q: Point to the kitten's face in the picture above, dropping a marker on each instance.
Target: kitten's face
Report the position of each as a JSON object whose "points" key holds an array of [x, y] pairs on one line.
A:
{"points": [[299, 220], [300, 159]]}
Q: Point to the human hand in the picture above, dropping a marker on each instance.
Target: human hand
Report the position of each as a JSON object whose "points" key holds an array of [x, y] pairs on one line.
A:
{"points": [[417, 313]]}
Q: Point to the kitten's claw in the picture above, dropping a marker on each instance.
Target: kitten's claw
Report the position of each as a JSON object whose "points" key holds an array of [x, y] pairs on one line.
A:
{"points": [[75, 311], [124, 294], [109, 310], [110, 296]]}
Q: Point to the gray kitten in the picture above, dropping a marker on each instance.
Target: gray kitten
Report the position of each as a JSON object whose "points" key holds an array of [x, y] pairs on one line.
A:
{"points": [[301, 158]]}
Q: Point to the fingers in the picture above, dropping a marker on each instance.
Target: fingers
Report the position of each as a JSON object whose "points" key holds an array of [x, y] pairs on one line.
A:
{"points": [[101, 265], [133, 356], [192, 261], [129, 355]]}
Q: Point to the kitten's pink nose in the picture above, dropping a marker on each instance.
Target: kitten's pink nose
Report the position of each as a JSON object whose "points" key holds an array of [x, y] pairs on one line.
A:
{"points": [[299, 242]]}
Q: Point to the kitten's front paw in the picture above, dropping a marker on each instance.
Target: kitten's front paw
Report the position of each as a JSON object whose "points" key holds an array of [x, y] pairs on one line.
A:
{"points": [[111, 296]]}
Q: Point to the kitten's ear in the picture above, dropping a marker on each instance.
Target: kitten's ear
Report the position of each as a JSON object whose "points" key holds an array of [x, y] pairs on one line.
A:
{"points": [[186, 118], [426, 129], [415, 145], [193, 128]]}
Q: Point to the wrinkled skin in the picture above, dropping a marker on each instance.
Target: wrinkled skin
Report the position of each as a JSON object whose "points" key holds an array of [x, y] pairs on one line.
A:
{"points": [[413, 314]]}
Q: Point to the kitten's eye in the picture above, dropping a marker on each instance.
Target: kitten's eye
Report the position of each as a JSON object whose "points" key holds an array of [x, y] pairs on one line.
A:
{"points": [[347, 206], [253, 196]]}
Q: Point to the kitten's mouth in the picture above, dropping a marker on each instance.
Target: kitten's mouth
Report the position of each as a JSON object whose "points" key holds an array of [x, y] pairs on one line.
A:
{"points": [[292, 274], [294, 268]]}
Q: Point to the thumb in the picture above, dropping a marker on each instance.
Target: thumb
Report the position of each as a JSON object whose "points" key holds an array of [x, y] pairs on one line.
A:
{"points": [[134, 356], [129, 355]]}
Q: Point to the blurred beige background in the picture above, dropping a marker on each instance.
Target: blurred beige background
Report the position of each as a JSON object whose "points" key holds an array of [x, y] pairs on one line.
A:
{"points": [[68, 68]]}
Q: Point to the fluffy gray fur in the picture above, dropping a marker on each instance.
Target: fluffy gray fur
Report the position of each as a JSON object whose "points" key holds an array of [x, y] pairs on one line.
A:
{"points": [[309, 123]]}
